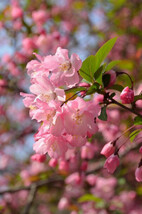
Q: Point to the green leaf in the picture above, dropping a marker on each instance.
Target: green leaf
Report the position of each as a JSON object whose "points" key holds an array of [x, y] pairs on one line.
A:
{"points": [[104, 51], [134, 134], [94, 88], [112, 64], [98, 74], [103, 115], [117, 87], [89, 197], [138, 120], [75, 89], [88, 68], [106, 80]]}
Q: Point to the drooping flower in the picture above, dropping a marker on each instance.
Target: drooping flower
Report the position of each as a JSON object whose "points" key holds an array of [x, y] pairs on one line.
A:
{"points": [[111, 163]]}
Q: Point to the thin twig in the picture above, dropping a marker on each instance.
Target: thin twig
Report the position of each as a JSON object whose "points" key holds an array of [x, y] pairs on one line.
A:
{"points": [[31, 197], [124, 107]]}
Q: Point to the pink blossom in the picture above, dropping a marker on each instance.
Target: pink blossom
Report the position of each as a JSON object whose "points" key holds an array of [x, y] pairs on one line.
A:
{"points": [[108, 149], [91, 179], [74, 179], [111, 163], [16, 12], [64, 70], [79, 117], [45, 91], [55, 146], [87, 151], [127, 95], [40, 16]]}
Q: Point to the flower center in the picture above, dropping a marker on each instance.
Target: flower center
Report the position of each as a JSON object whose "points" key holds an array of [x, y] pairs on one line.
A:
{"points": [[77, 117], [65, 66]]}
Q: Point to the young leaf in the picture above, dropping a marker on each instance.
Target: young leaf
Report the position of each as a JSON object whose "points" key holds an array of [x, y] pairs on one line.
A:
{"points": [[104, 51], [87, 69], [117, 87], [75, 89], [112, 64], [89, 197], [134, 134], [98, 74], [138, 120], [103, 115], [106, 80]]}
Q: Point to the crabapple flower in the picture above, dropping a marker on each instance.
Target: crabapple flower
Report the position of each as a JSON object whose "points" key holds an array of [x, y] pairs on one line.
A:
{"points": [[138, 174], [108, 149], [55, 146], [79, 117], [45, 91], [111, 163], [64, 70], [87, 151], [127, 95]]}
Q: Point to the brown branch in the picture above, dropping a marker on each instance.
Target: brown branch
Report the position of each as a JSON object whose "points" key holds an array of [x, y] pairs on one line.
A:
{"points": [[31, 197], [124, 107]]}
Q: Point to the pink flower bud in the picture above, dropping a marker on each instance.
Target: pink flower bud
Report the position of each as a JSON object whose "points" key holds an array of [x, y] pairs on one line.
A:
{"points": [[38, 157], [138, 174], [53, 162], [127, 95], [63, 203], [111, 163], [16, 12], [140, 150], [64, 166], [84, 84], [74, 179], [84, 165], [108, 149], [91, 179]]}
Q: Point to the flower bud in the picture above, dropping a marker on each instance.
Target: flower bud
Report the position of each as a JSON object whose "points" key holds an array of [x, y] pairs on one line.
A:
{"points": [[108, 149], [53, 162], [63, 203], [63, 166], [38, 157], [140, 150], [84, 166], [111, 163], [127, 95]]}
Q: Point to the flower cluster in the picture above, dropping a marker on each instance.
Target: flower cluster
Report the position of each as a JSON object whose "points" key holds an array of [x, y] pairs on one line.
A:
{"points": [[64, 125]]}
